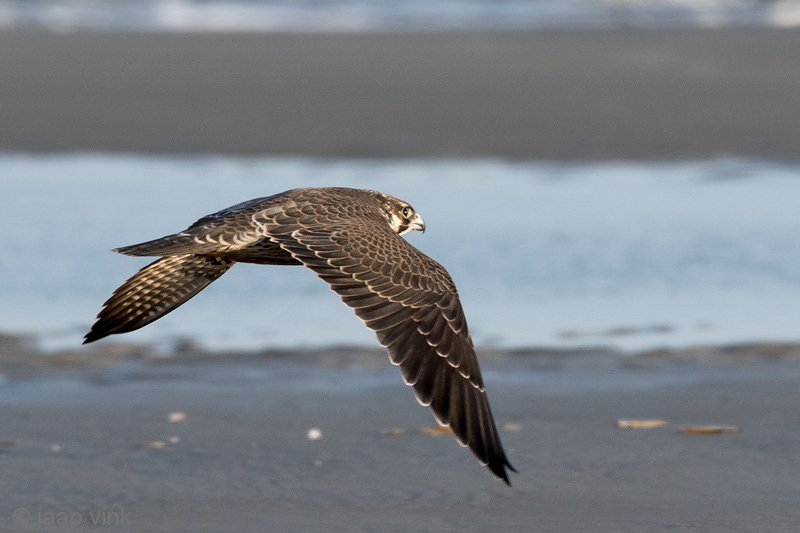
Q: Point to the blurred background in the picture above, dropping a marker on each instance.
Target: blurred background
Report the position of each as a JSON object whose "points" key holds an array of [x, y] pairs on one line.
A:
{"points": [[592, 172], [377, 15]]}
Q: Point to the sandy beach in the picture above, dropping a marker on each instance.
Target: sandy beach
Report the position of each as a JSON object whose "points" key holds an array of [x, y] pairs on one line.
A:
{"points": [[97, 440], [548, 94]]}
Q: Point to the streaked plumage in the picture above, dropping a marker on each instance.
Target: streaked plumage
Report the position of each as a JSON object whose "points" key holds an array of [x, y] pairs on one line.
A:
{"points": [[350, 238]]}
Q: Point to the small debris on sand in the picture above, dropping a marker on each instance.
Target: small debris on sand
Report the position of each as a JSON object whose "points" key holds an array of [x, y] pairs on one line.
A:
{"points": [[708, 430], [436, 431], [641, 424], [153, 444], [177, 417]]}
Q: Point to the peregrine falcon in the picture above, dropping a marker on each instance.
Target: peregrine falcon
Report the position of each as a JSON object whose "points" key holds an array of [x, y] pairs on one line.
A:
{"points": [[351, 239]]}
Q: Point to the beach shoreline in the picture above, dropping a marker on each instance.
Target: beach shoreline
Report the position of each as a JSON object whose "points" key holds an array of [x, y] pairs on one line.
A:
{"points": [[22, 355]]}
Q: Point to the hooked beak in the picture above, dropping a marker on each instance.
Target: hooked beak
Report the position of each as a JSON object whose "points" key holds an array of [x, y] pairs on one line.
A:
{"points": [[417, 223]]}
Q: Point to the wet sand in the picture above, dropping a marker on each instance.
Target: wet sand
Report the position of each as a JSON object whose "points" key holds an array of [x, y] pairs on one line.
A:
{"points": [[80, 441], [548, 94]]}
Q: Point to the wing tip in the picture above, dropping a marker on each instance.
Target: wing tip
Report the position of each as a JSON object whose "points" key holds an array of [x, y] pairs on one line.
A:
{"points": [[93, 335], [498, 465], [126, 250]]}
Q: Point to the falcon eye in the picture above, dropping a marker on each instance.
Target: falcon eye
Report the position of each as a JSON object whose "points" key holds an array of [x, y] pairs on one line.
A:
{"points": [[407, 212]]}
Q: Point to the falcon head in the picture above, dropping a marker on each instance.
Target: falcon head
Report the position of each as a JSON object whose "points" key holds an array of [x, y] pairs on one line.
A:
{"points": [[401, 216]]}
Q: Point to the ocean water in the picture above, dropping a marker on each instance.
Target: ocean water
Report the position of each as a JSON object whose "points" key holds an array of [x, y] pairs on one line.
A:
{"points": [[632, 255], [382, 15]]}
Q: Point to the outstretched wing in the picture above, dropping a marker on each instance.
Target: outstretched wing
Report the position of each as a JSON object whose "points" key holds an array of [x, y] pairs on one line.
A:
{"points": [[160, 287], [411, 303]]}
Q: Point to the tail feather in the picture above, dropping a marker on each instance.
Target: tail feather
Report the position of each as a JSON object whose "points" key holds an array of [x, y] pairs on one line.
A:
{"points": [[154, 291]]}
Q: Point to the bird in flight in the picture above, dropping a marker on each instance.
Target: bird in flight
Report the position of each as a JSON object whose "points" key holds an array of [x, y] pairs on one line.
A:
{"points": [[351, 239]]}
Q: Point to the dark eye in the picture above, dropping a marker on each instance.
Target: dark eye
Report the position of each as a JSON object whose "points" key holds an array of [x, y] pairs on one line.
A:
{"points": [[407, 212]]}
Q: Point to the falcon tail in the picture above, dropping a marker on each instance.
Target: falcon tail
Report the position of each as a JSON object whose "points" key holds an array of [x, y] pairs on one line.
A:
{"points": [[154, 291]]}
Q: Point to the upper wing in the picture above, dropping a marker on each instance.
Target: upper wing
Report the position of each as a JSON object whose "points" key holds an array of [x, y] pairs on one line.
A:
{"points": [[410, 301]]}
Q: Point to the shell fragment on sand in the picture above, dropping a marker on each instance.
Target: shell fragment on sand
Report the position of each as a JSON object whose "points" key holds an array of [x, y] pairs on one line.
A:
{"points": [[436, 431], [177, 417], [153, 444], [641, 424], [708, 430]]}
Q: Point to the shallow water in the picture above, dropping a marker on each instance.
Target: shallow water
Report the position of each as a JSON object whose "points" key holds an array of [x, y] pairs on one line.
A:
{"points": [[632, 255]]}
